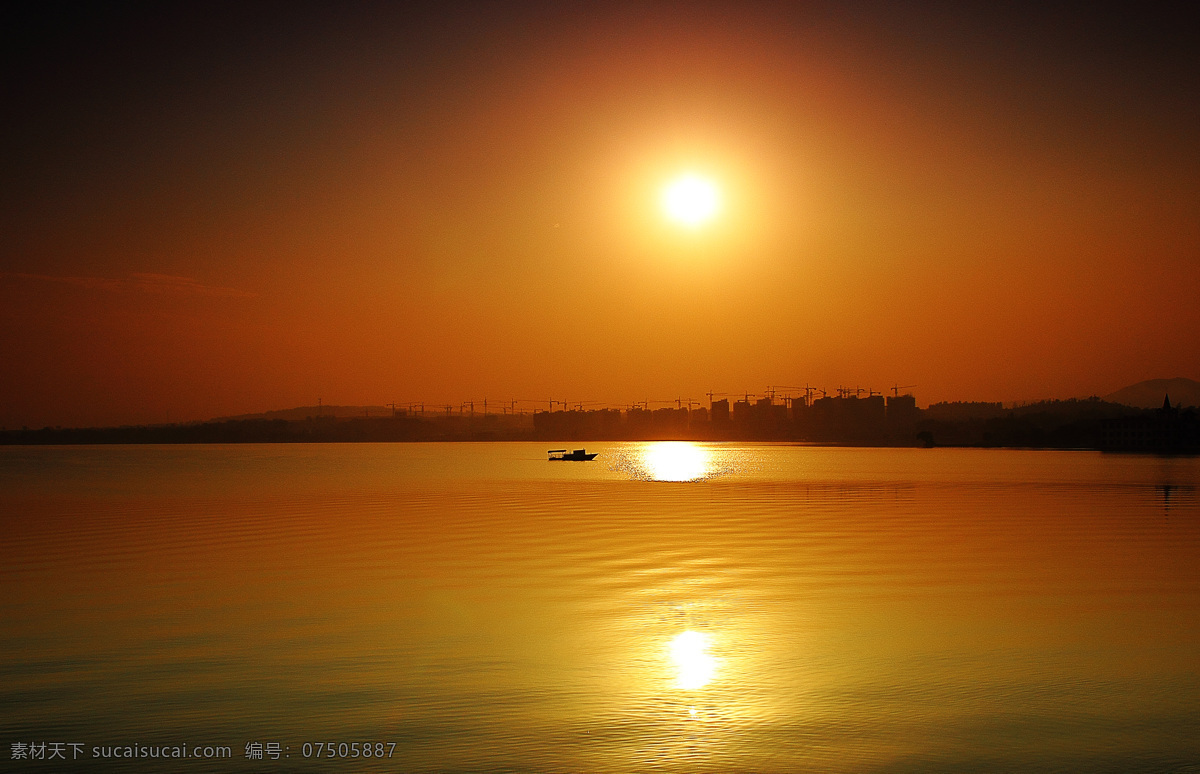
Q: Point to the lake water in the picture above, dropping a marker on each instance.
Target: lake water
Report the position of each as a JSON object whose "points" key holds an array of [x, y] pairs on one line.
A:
{"points": [[667, 607]]}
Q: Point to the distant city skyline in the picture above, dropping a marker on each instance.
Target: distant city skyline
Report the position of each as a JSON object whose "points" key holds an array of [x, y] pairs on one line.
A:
{"points": [[1145, 394]]}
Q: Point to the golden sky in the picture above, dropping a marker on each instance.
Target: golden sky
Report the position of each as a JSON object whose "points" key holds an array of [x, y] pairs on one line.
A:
{"points": [[214, 212]]}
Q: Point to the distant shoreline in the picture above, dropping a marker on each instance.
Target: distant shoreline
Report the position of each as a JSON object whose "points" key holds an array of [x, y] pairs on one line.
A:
{"points": [[1067, 425]]}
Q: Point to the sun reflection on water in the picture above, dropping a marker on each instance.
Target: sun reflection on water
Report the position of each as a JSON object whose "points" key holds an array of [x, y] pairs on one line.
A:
{"points": [[676, 461], [694, 666]]}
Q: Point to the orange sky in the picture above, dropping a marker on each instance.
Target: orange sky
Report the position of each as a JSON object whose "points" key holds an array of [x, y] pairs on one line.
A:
{"points": [[213, 213]]}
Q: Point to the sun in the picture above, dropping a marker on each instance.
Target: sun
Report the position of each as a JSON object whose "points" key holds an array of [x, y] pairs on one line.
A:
{"points": [[691, 200]]}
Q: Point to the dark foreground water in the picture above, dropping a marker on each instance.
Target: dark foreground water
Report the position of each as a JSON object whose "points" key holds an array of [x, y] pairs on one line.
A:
{"points": [[668, 607]]}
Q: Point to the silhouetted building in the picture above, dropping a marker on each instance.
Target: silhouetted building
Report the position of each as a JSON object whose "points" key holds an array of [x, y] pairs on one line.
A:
{"points": [[823, 419], [638, 422], [902, 415], [769, 415], [872, 416], [1164, 430], [800, 418], [847, 418], [670, 422]]}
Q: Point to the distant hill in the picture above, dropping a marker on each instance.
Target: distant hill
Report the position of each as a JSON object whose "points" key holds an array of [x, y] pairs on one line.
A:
{"points": [[1149, 394], [304, 412]]}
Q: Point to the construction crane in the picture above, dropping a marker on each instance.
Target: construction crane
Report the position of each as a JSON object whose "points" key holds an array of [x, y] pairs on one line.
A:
{"points": [[808, 391], [710, 394], [897, 388], [786, 397], [773, 391]]}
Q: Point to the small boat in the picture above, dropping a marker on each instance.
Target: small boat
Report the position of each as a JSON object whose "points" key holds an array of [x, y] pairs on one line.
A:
{"points": [[579, 455]]}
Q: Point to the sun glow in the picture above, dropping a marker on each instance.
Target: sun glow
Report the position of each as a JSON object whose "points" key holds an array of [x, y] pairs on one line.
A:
{"points": [[695, 667], [691, 200]]}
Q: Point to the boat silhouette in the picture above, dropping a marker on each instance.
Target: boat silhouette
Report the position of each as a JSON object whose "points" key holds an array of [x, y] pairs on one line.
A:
{"points": [[579, 455]]}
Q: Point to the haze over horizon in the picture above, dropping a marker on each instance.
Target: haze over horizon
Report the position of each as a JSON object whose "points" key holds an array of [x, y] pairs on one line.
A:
{"points": [[226, 210]]}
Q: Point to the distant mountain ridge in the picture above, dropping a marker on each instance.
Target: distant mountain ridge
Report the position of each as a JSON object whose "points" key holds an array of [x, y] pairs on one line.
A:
{"points": [[304, 412], [1149, 394]]}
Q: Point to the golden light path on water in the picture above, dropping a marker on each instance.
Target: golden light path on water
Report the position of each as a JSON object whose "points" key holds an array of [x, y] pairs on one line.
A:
{"points": [[680, 461]]}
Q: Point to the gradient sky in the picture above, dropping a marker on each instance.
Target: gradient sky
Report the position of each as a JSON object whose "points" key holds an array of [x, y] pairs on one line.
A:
{"points": [[230, 210]]}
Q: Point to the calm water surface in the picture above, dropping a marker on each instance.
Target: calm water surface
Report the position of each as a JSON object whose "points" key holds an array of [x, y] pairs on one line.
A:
{"points": [[667, 607]]}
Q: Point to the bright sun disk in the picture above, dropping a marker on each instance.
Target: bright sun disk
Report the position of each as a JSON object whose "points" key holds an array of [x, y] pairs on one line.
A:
{"points": [[691, 200]]}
